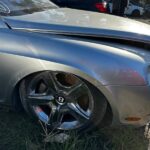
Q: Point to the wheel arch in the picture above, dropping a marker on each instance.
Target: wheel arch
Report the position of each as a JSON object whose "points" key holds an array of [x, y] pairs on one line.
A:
{"points": [[136, 12], [28, 66], [110, 111]]}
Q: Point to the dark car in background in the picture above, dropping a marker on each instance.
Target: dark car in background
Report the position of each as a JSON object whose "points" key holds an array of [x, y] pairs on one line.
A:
{"points": [[147, 10], [91, 5], [133, 9]]}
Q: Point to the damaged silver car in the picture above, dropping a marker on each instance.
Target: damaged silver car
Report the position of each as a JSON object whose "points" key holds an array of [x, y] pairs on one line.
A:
{"points": [[73, 69]]}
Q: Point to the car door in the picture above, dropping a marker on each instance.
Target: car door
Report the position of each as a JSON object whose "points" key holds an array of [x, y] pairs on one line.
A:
{"points": [[129, 9]]}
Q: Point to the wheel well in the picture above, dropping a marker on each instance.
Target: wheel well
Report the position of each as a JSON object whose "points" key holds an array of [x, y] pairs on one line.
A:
{"points": [[17, 105], [16, 101], [108, 116], [136, 11]]}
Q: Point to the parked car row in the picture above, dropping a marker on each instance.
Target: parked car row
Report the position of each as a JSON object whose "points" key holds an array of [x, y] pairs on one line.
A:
{"points": [[92, 5], [133, 8]]}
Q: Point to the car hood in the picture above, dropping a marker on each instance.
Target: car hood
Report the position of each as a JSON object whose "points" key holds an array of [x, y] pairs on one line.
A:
{"points": [[79, 22]]}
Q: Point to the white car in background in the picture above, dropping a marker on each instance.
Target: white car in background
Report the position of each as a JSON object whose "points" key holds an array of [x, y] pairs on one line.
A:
{"points": [[134, 9]]}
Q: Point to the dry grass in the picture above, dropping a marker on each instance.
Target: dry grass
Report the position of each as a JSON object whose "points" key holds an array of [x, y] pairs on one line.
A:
{"points": [[18, 132]]}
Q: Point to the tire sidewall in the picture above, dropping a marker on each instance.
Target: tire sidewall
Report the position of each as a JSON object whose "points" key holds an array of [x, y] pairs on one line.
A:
{"points": [[136, 13], [100, 105]]}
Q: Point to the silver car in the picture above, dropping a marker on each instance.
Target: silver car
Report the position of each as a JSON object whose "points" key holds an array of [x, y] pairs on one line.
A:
{"points": [[73, 69]]}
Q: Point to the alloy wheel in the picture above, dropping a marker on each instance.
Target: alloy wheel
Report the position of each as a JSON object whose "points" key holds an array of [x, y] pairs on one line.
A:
{"points": [[60, 100]]}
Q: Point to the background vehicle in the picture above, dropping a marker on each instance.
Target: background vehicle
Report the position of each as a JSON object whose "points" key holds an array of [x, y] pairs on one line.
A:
{"points": [[133, 9], [91, 5], [147, 10]]}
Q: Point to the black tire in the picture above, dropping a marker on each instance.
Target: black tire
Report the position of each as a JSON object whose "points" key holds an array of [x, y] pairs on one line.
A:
{"points": [[136, 13], [98, 111]]}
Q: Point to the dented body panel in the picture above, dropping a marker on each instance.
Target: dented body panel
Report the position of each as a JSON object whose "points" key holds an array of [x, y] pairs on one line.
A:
{"points": [[119, 71]]}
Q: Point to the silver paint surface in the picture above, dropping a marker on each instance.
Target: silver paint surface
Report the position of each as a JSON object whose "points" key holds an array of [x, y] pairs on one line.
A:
{"points": [[119, 71], [2, 24], [65, 20]]}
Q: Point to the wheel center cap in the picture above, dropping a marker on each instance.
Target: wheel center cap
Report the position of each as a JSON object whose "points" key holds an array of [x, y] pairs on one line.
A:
{"points": [[60, 100]]}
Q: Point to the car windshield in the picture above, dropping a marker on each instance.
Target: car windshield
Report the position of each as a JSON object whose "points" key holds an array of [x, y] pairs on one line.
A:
{"points": [[22, 7]]}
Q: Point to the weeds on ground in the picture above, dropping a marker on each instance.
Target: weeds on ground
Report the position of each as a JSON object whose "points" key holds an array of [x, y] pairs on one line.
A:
{"points": [[19, 132]]}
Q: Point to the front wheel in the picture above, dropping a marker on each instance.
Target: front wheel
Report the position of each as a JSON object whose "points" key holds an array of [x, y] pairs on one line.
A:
{"points": [[136, 13], [62, 101]]}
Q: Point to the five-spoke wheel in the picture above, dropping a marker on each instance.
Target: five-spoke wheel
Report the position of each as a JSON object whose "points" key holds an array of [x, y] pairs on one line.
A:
{"points": [[60, 100]]}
